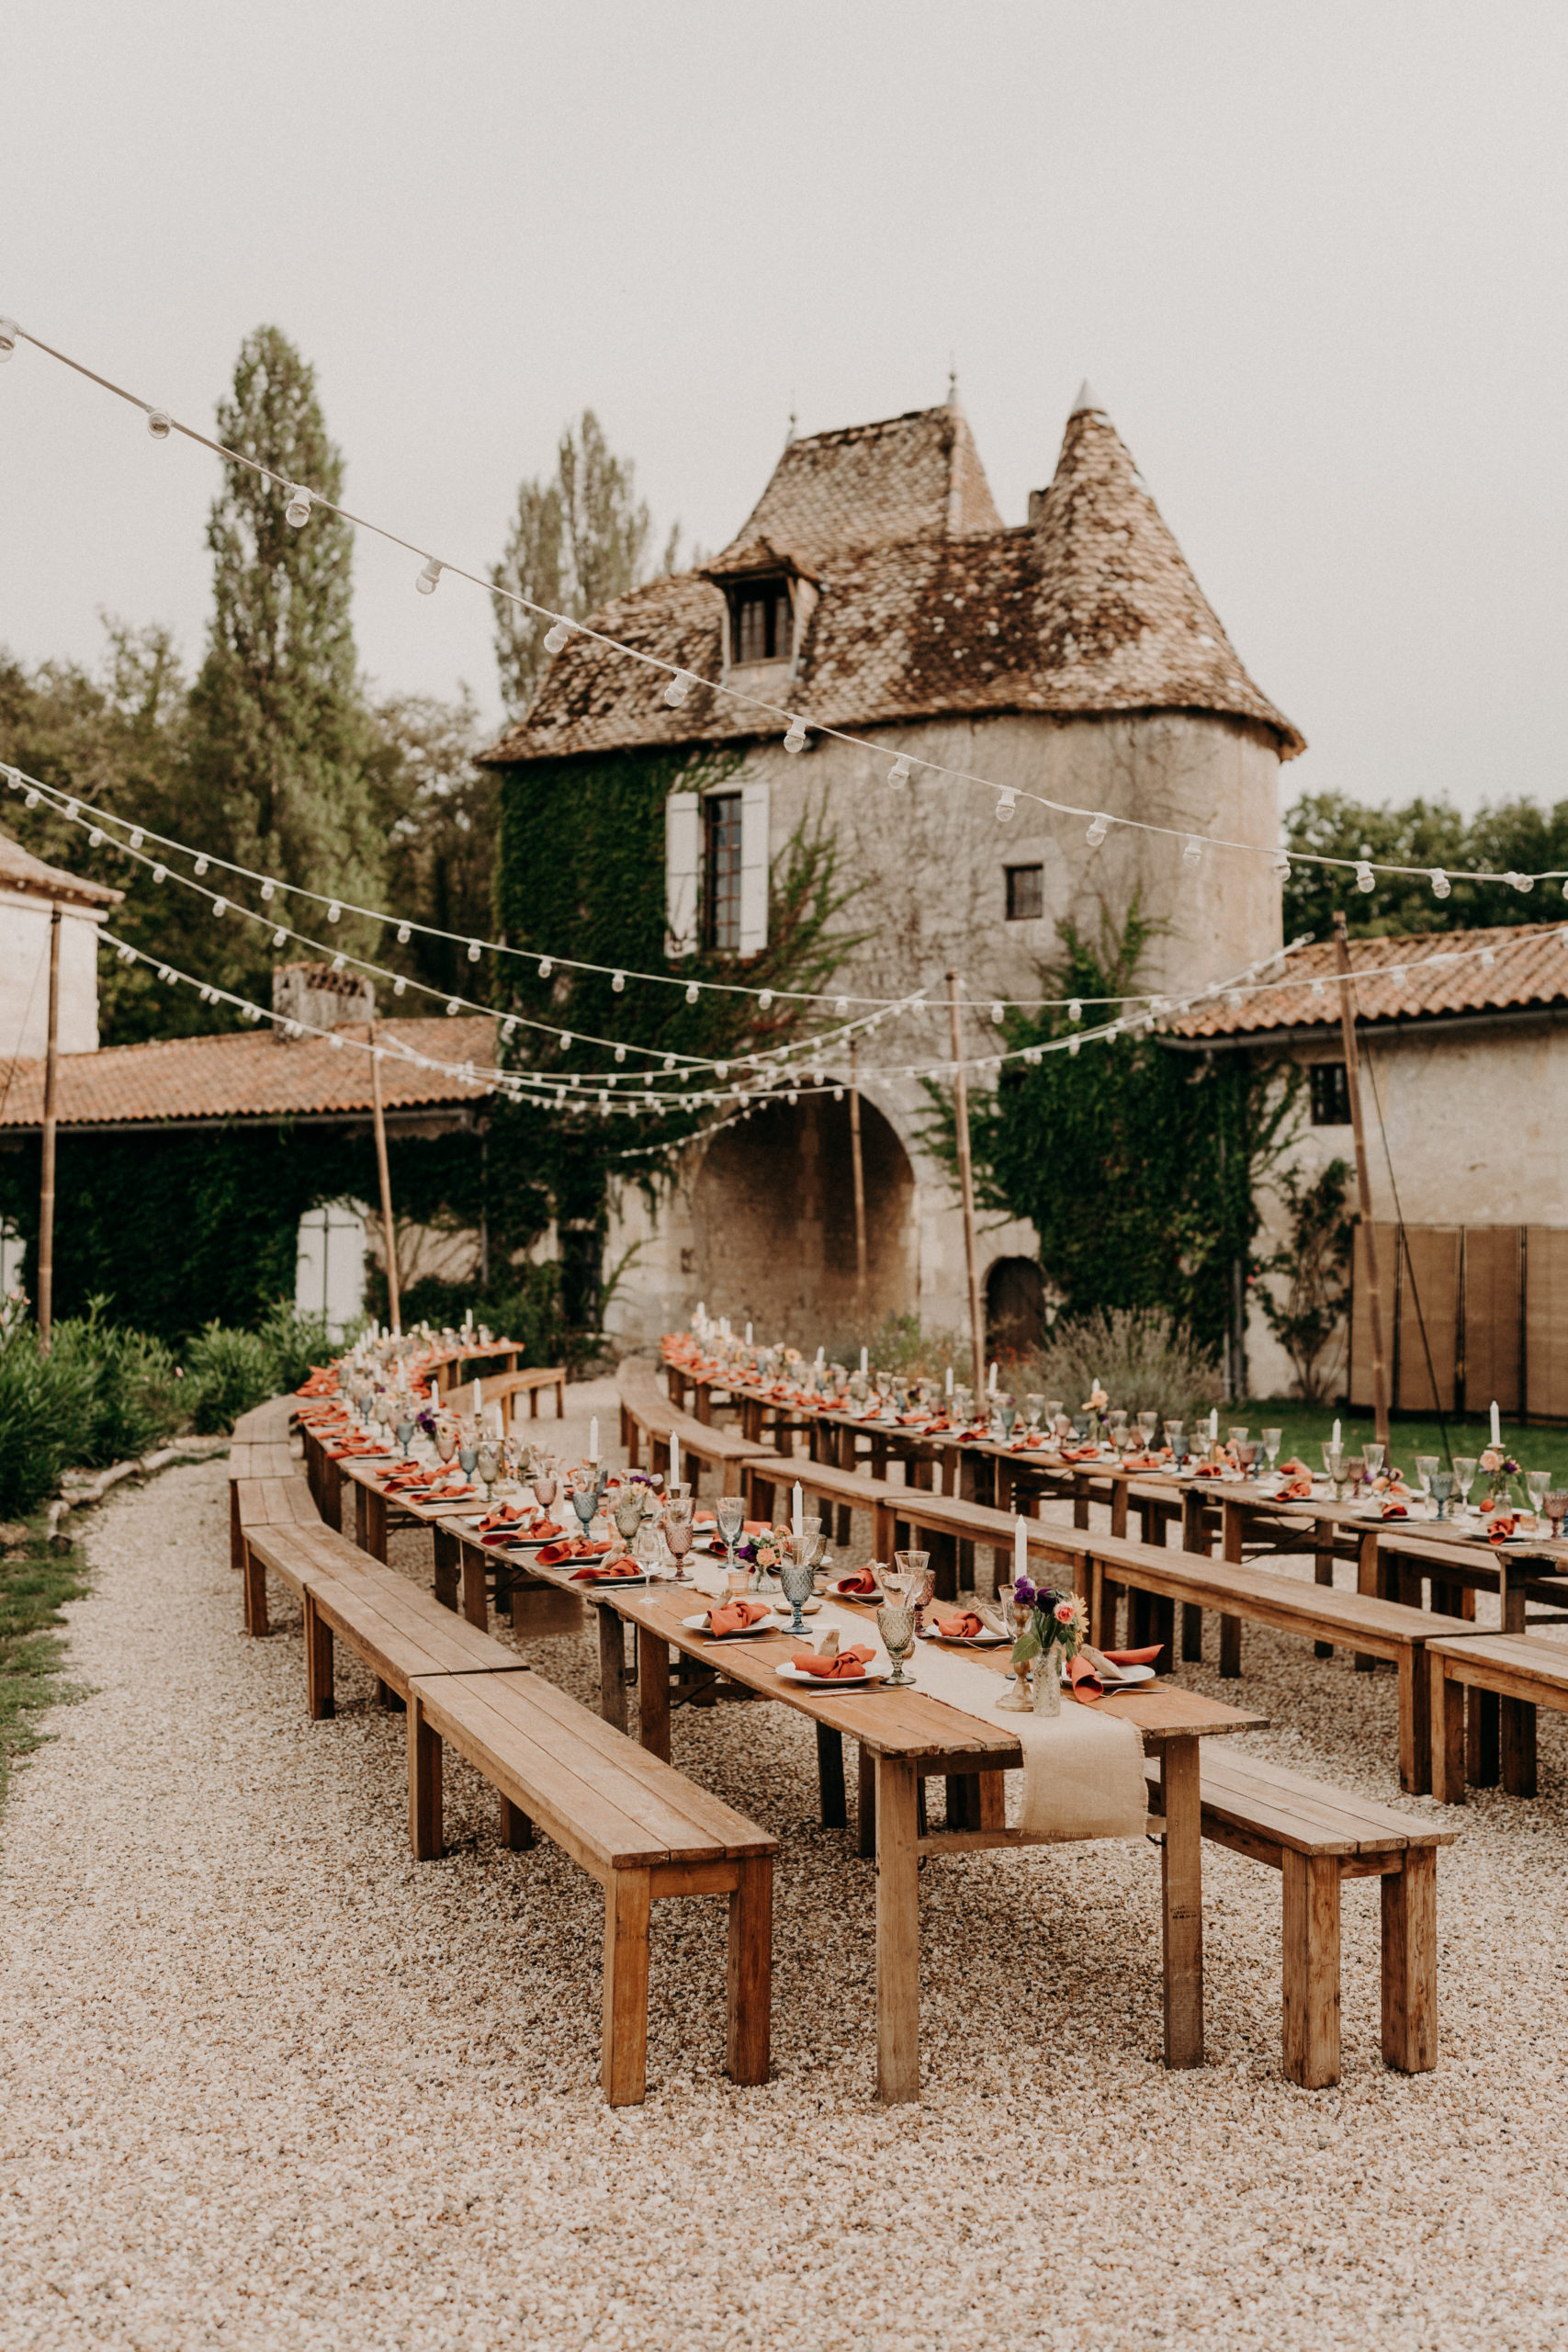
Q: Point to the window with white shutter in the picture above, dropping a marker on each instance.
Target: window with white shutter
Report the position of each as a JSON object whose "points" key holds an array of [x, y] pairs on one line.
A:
{"points": [[682, 845], [753, 869]]}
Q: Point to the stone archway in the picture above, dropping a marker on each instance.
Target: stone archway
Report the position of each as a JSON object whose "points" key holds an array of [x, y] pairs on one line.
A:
{"points": [[1015, 1306], [773, 1210]]}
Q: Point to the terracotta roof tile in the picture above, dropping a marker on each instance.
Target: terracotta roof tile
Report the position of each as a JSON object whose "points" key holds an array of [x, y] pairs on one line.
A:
{"points": [[252, 1074], [1405, 978], [1090, 607], [20, 870]]}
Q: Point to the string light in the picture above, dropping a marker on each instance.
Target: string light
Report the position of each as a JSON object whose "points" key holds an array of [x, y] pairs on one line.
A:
{"points": [[268, 889], [795, 739], [95, 839], [556, 636], [899, 771], [429, 580], [473, 951], [1007, 806], [219, 907], [297, 510], [1194, 852], [693, 992], [334, 912], [159, 424], [1098, 831], [200, 866], [1365, 879], [1441, 886], [998, 1014], [9, 331], [136, 838], [1075, 1010], [546, 967], [618, 982], [675, 693], [160, 873], [764, 1002]]}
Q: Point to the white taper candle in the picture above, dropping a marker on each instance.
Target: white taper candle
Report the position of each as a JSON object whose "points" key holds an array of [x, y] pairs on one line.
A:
{"points": [[593, 1438], [1496, 1424], [797, 1512], [1020, 1549]]}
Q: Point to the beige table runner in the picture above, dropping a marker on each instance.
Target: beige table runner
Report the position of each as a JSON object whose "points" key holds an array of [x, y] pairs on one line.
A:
{"points": [[1083, 1772]]}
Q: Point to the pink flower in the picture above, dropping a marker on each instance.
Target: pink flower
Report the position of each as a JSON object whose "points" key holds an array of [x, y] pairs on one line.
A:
{"points": [[1064, 1612]]}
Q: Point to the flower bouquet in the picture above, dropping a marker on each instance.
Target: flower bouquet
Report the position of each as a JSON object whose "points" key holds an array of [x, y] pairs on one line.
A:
{"points": [[1503, 1473], [1051, 1626]]}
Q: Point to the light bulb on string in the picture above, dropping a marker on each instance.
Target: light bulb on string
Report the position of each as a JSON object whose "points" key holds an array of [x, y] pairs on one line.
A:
{"points": [[453, 1008], [338, 963], [1194, 852], [566, 1041], [268, 892], [692, 992], [95, 837], [1098, 831], [334, 912], [403, 934], [279, 938], [620, 1053], [669, 1061], [1075, 1010], [1317, 988], [508, 1028], [841, 1004], [1073, 1045], [1441, 886], [219, 907], [796, 738], [429, 578], [200, 866], [473, 951], [1365, 879], [546, 967], [1006, 807], [137, 837], [721, 1072], [764, 1000], [1521, 881], [30, 800], [160, 873], [159, 424], [899, 771], [999, 1014], [675, 693], [558, 636], [297, 510], [399, 986], [9, 331], [618, 982]]}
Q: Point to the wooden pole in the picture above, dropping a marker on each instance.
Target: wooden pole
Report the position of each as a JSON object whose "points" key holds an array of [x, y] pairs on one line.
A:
{"points": [[46, 1186], [966, 1188], [1363, 1182], [858, 1165], [383, 1172]]}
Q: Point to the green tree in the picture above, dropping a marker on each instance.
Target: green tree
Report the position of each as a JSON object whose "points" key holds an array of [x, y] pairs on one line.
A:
{"points": [[576, 542], [1516, 836], [1137, 1165], [281, 752], [441, 841]]}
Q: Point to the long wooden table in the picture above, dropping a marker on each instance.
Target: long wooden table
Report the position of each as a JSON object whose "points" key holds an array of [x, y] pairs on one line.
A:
{"points": [[907, 1737]]}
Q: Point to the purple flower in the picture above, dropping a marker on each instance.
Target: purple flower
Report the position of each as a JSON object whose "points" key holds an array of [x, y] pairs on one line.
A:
{"points": [[1024, 1594]]}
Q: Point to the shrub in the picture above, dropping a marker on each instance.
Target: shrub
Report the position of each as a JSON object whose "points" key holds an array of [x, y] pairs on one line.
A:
{"points": [[226, 1372], [1140, 1358], [295, 1340], [902, 1344], [127, 1387]]}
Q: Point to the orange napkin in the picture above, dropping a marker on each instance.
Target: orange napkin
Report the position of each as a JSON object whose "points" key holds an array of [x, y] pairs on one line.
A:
{"points": [[1295, 1490], [1088, 1686], [962, 1628], [1295, 1468], [736, 1615], [911, 1420], [846, 1666], [1392, 1509], [862, 1581], [1503, 1523], [1209, 1469], [608, 1571], [554, 1555], [358, 1447], [507, 1516], [322, 1383]]}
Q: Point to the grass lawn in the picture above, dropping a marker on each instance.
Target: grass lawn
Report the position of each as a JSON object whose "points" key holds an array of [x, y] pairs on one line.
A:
{"points": [[34, 1585], [1306, 1427]]}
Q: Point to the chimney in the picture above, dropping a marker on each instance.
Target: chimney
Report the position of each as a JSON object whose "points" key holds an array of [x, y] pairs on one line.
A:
{"points": [[316, 996]]}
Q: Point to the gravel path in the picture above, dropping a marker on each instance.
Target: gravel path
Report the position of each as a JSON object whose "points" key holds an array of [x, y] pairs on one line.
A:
{"points": [[265, 2083]]}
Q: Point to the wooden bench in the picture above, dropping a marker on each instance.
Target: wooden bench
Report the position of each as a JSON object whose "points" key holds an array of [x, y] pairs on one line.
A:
{"points": [[1520, 1675], [1316, 1836], [828, 1486], [645, 1411], [266, 1424], [505, 1388], [256, 1504], [257, 1469], [631, 1821]]}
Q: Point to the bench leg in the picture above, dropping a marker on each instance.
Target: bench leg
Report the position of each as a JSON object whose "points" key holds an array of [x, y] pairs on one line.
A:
{"points": [[1367, 1581], [236, 1533], [1311, 1968], [623, 2062], [517, 1829], [611, 1669], [1323, 1573], [318, 1664], [254, 1594], [1181, 1890], [1192, 1633], [476, 1606], [830, 1776], [1415, 1721], [1448, 1735], [1410, 1962], [1519, 1747], [1481, 1750], [992, 1802], [1230, 1648], [897, 1931], [425, 1785], [749, 2034]]}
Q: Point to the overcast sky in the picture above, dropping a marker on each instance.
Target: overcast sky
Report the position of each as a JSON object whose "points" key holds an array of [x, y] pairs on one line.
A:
{"points": [[1311, 257]]}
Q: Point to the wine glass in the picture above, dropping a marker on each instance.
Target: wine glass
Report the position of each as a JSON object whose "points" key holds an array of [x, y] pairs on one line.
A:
{"points": [[678, 1533], [1148, 1424], [1556, 1511], [1236, 1437], [798, 1578], [1372, 1456], [1020, 1699], [1176, 1437], [405, 1427], [1442, 1488], [915, 1579], [1271, 1446], [446, 1439], [1006, 1412], [1535, 1485], [546, 1485], [1425, 1465], [585, 1503], [1463, 1477], [1246, 1453], [1333, 1462], [626, 1512], [487, 1460], [468, 1454], [731, 1516], [896, 1626]]}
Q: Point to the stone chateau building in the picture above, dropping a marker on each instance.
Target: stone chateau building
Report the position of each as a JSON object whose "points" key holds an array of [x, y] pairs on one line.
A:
{"points": [[875, 587]]}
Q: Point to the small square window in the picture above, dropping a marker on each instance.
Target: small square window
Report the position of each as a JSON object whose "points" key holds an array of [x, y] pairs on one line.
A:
{"points": [[1330, 1095], [721, 877], [760, 622], [1026, 893]]}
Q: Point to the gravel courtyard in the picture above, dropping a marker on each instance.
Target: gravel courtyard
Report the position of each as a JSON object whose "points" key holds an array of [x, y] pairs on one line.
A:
{"points": [[266, 2083]]}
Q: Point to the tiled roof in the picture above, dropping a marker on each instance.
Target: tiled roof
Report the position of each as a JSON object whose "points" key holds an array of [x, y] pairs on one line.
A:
{"points": [[252, 1074], [1407, 977], [20, 870], [925, 609]]}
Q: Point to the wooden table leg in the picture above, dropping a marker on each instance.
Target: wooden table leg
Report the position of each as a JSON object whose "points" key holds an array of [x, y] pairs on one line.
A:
{"points": [[993, 1801], [1234, 1531], [319, 1697], [1410, 1962], [653, 1690], [1194, 1538], [475, 1607], [1323, 1570], [448, 1568], [627, 1901], [749, 2035], [612, 1668], [254, 1592], [830, 1776], [1367, 1582], [1519, 1747], [1415, 1721], [1181, 1887], [867, 1804], [1448, 1735], [1482, 1745], [897, 1932], [1311, 1969], [517, 1829]]}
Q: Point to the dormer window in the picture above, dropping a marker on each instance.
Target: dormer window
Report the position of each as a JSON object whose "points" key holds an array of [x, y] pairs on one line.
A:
{"points": [[761, 623]]}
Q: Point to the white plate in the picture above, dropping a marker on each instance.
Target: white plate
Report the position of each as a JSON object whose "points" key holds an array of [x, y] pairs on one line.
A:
{"points": [[790, 1672], [866, 1599], [740, 1633], [968, 1641], [1129, 1674]]}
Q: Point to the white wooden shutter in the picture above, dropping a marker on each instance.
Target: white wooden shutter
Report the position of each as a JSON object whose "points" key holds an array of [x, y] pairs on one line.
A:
{"points": [[754, 867], [682, 835]]}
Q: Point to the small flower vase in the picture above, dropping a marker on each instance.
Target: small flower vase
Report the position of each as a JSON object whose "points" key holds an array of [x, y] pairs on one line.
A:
{"points": [[1047, 1683]]}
